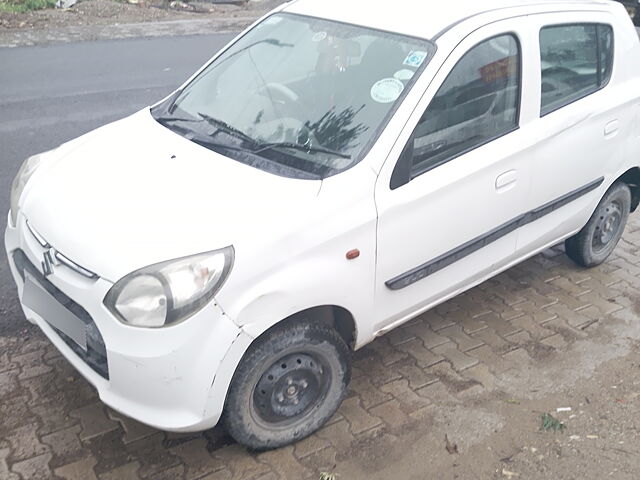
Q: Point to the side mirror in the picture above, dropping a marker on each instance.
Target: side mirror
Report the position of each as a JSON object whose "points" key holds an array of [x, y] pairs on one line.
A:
{"points": [[402, 172]]}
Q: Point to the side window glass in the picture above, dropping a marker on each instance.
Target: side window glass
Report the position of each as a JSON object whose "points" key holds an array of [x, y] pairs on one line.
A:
{"points": [[605, 52], [576, 60], [477, 103]]}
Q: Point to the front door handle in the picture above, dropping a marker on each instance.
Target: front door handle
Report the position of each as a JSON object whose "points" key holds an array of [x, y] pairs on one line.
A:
{"points": [[506, 181], [611, 129]]}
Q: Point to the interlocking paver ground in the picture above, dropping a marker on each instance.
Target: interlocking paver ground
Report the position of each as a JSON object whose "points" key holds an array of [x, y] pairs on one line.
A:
{"points": [[522, 338]]}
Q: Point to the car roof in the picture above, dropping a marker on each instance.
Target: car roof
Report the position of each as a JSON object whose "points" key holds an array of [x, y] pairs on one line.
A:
{"points": [[424, 19]]}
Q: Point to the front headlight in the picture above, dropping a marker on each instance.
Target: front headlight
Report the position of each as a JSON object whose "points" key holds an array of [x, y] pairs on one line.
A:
{"points": [[169, 292], [27, 169]]}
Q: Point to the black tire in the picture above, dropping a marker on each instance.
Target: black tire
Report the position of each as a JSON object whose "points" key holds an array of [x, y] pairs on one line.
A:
{"points": [[288, 385], [592, 245]]}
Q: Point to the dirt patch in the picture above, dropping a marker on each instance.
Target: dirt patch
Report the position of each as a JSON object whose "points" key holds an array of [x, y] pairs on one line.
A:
{"points": [[110, 12]]}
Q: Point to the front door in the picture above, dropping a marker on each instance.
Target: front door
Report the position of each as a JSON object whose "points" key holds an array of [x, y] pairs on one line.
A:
{"points": [[449, 204]]}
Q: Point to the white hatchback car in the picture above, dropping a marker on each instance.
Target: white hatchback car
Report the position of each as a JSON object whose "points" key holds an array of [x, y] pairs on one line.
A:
{"points": [[336, 170]]}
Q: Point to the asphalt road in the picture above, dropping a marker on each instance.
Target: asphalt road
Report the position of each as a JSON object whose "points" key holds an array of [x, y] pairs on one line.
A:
{"points": [[51, 94]]}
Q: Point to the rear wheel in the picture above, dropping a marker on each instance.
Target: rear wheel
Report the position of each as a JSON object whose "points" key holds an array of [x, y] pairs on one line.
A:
{"points": [[599, 237], [288, 385]]}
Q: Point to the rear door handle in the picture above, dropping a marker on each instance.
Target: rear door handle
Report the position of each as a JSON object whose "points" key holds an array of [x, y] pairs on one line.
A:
{"points": [[506, 181], [611, 129]]}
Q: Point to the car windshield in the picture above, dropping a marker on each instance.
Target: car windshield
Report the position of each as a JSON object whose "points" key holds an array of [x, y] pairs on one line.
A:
{"points": [[298, 96]]}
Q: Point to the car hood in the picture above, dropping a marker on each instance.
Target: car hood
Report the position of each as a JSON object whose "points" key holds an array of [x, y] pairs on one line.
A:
{"points": [[134, 193]]}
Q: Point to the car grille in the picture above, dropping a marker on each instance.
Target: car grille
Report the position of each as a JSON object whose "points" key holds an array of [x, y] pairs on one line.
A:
{"points": [[96, 354]]}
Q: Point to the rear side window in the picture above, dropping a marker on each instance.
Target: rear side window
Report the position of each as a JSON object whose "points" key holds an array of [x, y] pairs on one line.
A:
{"points": [[477, 103], [576, 61]]}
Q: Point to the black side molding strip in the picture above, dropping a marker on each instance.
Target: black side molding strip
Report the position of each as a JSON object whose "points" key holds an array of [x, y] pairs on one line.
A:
{"points": [[416, 274]]}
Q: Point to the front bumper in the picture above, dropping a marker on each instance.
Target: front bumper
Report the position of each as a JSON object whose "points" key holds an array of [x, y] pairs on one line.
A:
{"points": [[160, 377]]}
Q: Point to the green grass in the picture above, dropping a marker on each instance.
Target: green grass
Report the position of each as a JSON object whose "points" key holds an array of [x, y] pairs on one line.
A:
{"points": [[21, 6]]}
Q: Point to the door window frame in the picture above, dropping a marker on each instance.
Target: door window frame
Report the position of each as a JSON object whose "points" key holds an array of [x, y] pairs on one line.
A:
{"points": [[402, 173]]}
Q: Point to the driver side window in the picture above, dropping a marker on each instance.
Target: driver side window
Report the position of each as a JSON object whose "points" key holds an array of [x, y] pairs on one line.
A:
{"points": [[477, 103]]}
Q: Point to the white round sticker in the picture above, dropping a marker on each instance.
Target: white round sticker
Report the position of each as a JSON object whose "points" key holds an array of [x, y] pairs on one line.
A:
{"points": [[387, 90], [404, 74], [320, 36]]}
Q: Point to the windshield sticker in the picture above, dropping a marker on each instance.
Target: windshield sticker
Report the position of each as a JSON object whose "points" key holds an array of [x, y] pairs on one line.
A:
{"points": [[319, 36], [404, 74], [387, 90], [415, 59]]}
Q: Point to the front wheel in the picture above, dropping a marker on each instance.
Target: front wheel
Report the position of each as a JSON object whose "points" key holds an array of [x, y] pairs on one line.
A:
{"points": [[288, 385], [598, 239]]}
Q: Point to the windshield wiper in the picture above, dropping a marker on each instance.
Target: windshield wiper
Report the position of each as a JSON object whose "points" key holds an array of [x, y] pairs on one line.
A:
{"points": [[302, 148], [221, 125], [167, 119]]}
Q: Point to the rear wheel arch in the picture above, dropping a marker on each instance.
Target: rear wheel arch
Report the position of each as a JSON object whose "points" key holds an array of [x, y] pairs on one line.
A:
{"points": [[632, 178]]}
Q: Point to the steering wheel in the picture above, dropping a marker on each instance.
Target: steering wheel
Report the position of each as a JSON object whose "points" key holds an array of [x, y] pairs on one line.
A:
{"points": [[281, 95]]}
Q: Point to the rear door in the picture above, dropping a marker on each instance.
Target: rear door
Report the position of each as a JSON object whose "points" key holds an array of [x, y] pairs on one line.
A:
{"points": [[584, 118]]}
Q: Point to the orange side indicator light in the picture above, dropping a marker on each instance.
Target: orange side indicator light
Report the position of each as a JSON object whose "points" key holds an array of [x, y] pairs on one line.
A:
{"points": [[353, 254]]}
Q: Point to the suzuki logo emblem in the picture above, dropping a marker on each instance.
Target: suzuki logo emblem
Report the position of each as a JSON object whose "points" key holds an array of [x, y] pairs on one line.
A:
{"points": [[49, 261]]}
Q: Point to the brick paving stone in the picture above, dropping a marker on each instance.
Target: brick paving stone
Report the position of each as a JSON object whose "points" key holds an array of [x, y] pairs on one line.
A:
{"points": [[604, 306], [469, 322], [451, 379], [438, 393], [573, 318], [458, 359], [560, 325], [31, 364], [284, 463], [196, 458], [481, 374], [123, 472], [492, 360], [359, 419], [367, 392], [5, 474], [464, 341], [154, 458], [53, 416], [35, 468], [491, 338], [539, 314], [338, 435], [224, 474], [499, 325], [65, 443], [25, 442], [416, 376], [377, 372], [423, 356], [429, 338], [527, 323], [9, 385], [409, 400], [399, 335], [13, 412], [171, 473], [556, 341], [133, 430], [324, 460], [80, 470], [310, 445], [435, 320], [388, 354], [391, 414], [94, 420], [241, 465]]}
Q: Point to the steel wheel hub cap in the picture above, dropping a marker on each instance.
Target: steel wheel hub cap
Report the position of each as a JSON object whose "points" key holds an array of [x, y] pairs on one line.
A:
{"points": [[290, 387], [607, 226]]}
